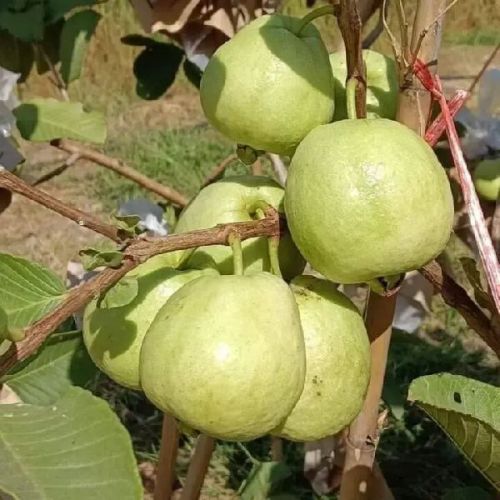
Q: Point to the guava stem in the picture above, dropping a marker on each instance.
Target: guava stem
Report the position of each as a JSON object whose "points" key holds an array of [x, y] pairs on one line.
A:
{"points": [[235, 242], [314, 14], [350, 93], [272, 245]]}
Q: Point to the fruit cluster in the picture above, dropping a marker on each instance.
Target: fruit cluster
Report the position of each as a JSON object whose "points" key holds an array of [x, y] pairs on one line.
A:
{"points": [[236, 351]]}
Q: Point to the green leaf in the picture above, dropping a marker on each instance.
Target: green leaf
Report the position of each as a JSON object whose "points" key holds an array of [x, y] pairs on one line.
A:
{"points": [[467, 493], [47, 119], [192, 72], [61, 363], [93, 258], [263, 478], [135, 40], [129, 224], [50, 46], [56, 9], [467, 410], [155, 69], [29, 291], [24, 20], [473, 274], [121, 294], [394, 396], [15, 55], [75, 449], [75, 38]]}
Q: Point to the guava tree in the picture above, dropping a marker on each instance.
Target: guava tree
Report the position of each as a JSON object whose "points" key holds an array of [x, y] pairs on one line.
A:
{"points": [[218, 323]]}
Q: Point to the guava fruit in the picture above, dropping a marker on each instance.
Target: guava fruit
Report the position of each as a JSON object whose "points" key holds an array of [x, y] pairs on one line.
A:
{"points": [[269, 85], [225, 355], [337, 362], [487, 179], [113, 336], [367, 198], [236, 199], [382, 85]]}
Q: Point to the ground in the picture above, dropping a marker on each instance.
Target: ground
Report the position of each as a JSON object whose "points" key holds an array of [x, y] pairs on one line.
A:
{"points": [[169, 139]]}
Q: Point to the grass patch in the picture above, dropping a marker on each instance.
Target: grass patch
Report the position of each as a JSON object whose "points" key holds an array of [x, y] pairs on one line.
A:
{"points": [[473, 37]]}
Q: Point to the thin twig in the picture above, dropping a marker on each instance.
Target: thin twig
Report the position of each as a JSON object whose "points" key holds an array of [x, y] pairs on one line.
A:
{"points": [[198, 467], [58, 81], [138, 250], [396, 48], [121, 168], [372, 37], [483, 69], [219, 170], [16, 185], [455, 296], [279, 167], [72, 159], [404, 30], [349, 23], [165, 471], [423, 33]]}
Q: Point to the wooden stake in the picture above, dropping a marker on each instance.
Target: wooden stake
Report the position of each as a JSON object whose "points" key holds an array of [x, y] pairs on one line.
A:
{"points": [[165, 472], [198, 467]]}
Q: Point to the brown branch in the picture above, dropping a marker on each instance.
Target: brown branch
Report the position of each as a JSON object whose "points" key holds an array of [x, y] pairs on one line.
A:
{"points": [[363, 434], [16, 185], [121, 168], [165, 471], [218, 171], [198, 467], [372, 37], [455, 296], [58, 81], [138, 251], [483, 69], [349, 23], [71, 160]]}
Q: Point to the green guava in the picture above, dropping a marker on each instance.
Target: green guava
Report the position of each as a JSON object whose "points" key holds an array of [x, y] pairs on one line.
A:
{"points": [[487, 179], [382, 85], [367, 198], [236, 199], [225, 355], [337, 362], [113, 336], [269, 85]]}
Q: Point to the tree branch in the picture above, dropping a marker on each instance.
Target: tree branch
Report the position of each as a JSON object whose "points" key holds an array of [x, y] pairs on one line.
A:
{"points": [[121, 168], [138, 250], [455, 296], [218, 170], [363, 434], [16, 185], [349, 23]]}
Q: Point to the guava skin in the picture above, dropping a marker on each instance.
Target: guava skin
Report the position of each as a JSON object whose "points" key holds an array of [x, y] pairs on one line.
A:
{"points": [[367, 198], [268, 87], [225, 355], [235, 199], [113, 337], [382, 85], [487, 180], [337, 362]]}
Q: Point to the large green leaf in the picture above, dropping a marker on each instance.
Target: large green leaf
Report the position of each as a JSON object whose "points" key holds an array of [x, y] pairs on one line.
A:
{"points": [[75, 449], [61, 363], [48, 119], [263, 479], [24, 19], [155, 69], [15, 55], [29, 291], [75, 38], [468, 411], [56, 9]]}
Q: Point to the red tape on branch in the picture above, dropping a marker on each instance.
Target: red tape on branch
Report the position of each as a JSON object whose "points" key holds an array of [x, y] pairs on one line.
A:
{"points": [[480, 230]]}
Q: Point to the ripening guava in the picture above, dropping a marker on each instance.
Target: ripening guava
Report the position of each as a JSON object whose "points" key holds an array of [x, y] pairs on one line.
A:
{"points": [[269, 85], [236, 199], [225, 355], [113, 336], [487, 179], [337, 362], [382, 85], [367, 198]]}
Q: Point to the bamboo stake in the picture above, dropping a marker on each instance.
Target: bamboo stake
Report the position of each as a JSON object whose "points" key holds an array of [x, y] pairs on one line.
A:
{"points": [[198, 467], [165, 472], [414, 111]]}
